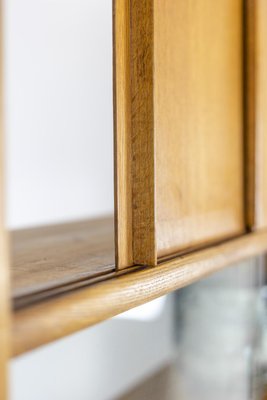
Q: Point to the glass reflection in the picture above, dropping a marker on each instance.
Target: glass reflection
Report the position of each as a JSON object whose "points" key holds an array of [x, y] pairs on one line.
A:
{"points": [[218, 334], [219, 340]]}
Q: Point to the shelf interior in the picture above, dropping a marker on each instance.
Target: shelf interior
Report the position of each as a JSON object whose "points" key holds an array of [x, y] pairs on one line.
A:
{"points": [[49, 257]]}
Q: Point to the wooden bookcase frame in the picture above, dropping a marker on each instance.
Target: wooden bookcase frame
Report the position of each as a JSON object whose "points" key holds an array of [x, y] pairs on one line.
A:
{"points": [[135, 136], [255, 15], [51, 314]]}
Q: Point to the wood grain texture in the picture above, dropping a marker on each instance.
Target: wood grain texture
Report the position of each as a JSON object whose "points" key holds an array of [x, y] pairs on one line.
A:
{"points": [[36, 297], [249, 108], [122, 129], [187, 125], [198, 122], [58, 317], [256, 114], [4, 275], [4, 312], [261, 114], [142, 127], [51, 256]]}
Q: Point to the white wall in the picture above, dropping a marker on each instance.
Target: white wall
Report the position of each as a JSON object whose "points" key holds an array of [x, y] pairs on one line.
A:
{"points": [[58, 66], [97, 364]]}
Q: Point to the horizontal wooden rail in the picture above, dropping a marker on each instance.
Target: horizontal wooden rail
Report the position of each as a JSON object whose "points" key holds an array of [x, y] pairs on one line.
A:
{"points": [[60, 316]]}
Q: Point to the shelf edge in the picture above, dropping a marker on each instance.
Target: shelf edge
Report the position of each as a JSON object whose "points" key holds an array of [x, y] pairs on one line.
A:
{"points": [[58, 317]]}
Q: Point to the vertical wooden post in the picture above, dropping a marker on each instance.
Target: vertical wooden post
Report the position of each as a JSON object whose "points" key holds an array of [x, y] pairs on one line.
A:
{"points": [[249, 111], [134, 133], [261, 114], [256, 113], [122, 133], [143, 135], [4, 281]]}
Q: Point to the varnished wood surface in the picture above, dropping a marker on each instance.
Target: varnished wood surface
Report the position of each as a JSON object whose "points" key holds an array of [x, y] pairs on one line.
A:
{"points": [[4, 311], [4, 267], [261, 113], [198, 122], [256, 116], [249, 111], [186, 83], [122, 125], [51, 256], [63, 315], [142, 128]]}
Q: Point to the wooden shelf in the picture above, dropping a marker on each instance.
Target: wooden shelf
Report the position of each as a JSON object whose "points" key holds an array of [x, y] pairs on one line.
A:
{"points": [[79, 308], [47, 259]]}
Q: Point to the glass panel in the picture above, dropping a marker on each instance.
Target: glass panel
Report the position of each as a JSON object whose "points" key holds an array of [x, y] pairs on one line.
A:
{"points": [[218, 335]]}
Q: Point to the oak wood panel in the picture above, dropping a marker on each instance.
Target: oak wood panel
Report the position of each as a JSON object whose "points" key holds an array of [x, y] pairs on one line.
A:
{"points": [[122, 129], [60, 316], [142, 128], [261, 114], [249, 111], [4, 312], [4, 276], [51, 256], [198, 122]]}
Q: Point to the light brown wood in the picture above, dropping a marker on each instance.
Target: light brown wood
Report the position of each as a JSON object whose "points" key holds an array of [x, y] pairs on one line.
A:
{"points": [[256, 115], [187, 125], [198, 122], [49, 257], [32, 298], [58, 317], [4, 275], [122, 128], [4, 313], [249, 111], [261, 114], [142, 127]]}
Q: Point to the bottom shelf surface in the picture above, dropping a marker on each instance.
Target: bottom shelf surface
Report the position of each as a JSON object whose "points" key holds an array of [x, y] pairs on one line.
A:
{"points": [[47, 258]]}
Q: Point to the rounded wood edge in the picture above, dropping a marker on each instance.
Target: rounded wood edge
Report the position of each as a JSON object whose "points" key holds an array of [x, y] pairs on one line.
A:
{"points": [[51, 320]]}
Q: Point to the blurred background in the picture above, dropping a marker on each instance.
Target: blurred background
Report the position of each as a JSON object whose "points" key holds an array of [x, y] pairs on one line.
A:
{"points": [[58, 77], [203, 342]]}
